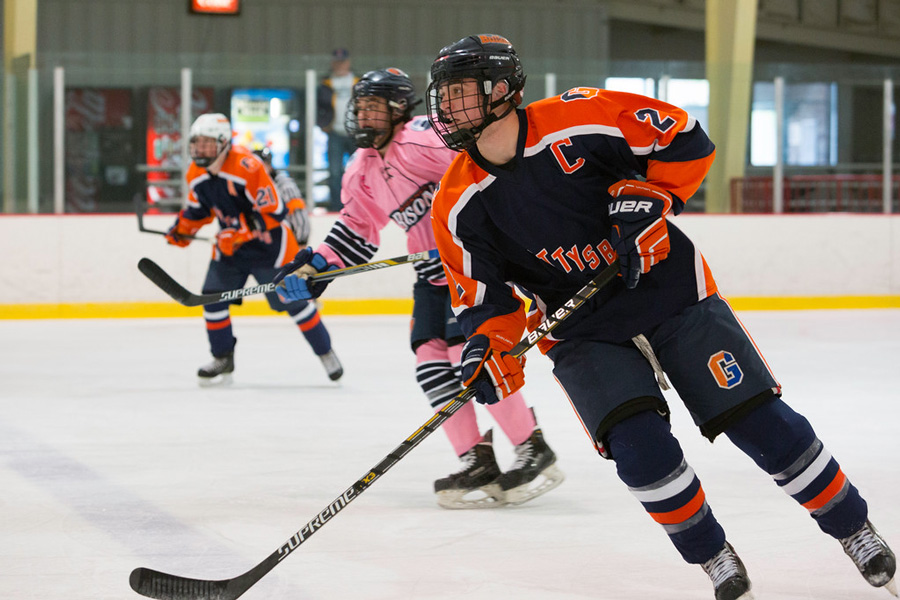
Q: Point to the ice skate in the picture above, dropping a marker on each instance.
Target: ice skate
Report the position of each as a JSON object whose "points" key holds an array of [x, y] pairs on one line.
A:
{"points": [[533, 473], [474, 486], [218, 372], [728, 575], [872, 556], [332, 365]]}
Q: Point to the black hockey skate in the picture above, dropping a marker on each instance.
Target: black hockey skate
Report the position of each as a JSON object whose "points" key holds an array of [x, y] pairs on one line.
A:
{"points": [[332, 365], [474, 485], [533, 473], [728, 575], [218, 372], [872, 556]]}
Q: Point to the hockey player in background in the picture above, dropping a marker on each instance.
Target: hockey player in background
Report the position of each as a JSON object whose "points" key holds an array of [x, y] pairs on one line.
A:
{"points": [[547, 196], [289, 192], [392, 177], [232, 185]]}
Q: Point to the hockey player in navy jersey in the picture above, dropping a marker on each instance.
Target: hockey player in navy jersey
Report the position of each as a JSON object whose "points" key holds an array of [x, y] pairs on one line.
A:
{"points": [[232, 185], [544, 197]]}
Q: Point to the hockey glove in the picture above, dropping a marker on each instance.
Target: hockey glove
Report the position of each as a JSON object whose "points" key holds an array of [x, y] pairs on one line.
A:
{"points": [[231, 239], [179, 229], [494, 374], [639, 235], [298, 219], [292, 280]]}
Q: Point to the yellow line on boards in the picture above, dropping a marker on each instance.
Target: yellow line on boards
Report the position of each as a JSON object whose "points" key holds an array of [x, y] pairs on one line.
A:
{"points": [[813, 302], [380, 306]]}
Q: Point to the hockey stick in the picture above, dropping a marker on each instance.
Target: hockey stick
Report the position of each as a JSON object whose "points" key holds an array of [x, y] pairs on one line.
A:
{"points": [[155, 584], [139, 211], [164, 281]]}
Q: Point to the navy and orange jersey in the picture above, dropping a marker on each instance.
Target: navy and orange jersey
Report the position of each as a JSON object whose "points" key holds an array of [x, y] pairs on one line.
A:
{"points": [[242, 187], [541, 222]]}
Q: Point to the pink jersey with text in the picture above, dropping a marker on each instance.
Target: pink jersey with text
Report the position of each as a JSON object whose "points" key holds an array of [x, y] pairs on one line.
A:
{"points": [[399, 188]]}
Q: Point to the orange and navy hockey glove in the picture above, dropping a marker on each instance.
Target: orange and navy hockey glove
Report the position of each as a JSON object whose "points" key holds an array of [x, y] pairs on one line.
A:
{"points": [[231, 238], [639, 233], [182, 231], [494, 374]]}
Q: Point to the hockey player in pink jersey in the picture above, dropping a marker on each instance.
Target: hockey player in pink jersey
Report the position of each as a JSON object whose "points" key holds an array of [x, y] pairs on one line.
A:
{"points": [[392, 177]]}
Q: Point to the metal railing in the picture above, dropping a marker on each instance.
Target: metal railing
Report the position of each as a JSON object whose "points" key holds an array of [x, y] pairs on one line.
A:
{"points": [[814, 193]]}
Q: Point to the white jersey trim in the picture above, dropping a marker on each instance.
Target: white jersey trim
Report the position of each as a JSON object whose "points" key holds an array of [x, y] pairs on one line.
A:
{"points": [[700, 275], [234, 178], [642, 150], [464, 198], [194, 183], [542, 144], [285, 232], [691, 122]]}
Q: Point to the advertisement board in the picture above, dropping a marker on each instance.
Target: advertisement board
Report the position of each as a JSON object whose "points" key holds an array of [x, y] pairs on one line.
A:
{"points": [[266, 117], [163, 140]]}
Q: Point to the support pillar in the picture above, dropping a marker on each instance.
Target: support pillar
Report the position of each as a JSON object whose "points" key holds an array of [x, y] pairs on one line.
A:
{"points": [[19, 47], [730, 42]]}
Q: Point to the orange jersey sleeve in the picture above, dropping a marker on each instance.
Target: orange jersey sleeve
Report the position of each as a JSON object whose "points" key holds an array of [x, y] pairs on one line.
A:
{"points": [[676, 150]]}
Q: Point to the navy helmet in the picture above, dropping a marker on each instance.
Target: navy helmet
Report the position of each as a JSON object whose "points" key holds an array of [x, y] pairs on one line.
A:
{"points": [[488, 59], [394, 86]]}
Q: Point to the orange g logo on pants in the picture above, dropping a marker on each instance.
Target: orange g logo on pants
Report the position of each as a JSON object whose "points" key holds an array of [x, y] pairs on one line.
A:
{"points": [[725, 369]]}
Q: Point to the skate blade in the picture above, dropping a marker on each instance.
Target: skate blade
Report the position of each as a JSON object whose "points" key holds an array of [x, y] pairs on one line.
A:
{"points": [[891, 587], [549, 479], [487, 496], [219, 380]]}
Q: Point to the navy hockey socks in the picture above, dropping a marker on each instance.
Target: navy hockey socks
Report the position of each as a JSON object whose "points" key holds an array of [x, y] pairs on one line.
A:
{"points": [[784, 445], [651, 463], [218, 329], [311, 326]]}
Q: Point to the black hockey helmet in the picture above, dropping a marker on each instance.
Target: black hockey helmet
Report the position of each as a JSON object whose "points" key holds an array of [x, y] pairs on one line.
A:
{"points": [[486, 58], [393, 85], [265, 154]]}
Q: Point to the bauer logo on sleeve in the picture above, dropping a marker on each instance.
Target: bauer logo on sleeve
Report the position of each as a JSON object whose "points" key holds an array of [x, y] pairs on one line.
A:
{"points": [[725, 369]]}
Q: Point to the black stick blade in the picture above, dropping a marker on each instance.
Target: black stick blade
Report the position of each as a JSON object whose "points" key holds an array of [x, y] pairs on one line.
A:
{"points": [[162, 586], [163, 281]]}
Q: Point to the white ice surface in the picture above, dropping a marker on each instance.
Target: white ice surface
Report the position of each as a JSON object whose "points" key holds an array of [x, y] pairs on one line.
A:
{"points": [[111, 457]]}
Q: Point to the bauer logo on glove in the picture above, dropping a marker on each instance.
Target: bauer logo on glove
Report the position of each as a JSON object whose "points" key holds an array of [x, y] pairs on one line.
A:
{"points": [[640, 235]]}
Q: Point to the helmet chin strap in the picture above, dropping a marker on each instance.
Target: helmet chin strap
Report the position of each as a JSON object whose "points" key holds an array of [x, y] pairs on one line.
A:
{"points": [[366, 136], [464, 138], [389, 136]]}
